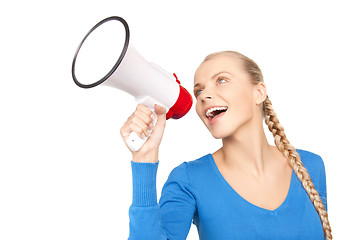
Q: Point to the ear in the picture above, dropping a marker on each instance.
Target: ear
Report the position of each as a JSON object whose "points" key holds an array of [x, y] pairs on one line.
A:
{"points": [[260, 93]]}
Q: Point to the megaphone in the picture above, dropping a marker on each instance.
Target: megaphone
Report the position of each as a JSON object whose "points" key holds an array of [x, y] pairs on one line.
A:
{"points": [[105, 57]]}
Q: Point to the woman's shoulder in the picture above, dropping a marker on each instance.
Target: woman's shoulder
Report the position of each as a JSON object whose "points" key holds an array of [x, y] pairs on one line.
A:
{"points": [[196, 166], [306, 155], [312, 161]]}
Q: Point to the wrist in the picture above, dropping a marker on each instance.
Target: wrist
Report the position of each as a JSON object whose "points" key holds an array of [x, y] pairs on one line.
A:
{"points": [[150, 157]]}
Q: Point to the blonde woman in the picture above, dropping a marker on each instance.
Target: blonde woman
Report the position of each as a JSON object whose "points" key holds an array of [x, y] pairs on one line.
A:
{"points": [[247, 189]]}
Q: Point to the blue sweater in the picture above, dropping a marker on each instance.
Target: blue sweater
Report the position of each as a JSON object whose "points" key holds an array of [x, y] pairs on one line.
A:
{"points": [[197, 193]]}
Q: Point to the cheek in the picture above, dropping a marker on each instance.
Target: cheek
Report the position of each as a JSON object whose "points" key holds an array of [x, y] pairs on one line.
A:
{"points": [[239, 96], [197, 107], [198, 110], [200, 113], [242, 102]]}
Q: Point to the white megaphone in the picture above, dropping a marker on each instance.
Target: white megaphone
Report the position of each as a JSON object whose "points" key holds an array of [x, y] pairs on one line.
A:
{"points": [[105, 57]]}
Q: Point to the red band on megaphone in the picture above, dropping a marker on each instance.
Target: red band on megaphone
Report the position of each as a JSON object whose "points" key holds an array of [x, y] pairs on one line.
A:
{"points": [[182, 105]]}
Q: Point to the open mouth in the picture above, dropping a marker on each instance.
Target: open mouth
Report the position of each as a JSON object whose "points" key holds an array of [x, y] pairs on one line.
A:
{"points": [[215, 111]]}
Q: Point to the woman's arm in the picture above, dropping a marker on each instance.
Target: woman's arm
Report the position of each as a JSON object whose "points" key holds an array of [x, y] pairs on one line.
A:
{"points": [[177, 204], [144, 213], [171, 219], [148, 219]]}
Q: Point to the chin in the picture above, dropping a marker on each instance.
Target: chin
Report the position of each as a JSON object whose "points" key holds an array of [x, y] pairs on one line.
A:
{"points": [[226, 130], [217, 137], [220, 133]]}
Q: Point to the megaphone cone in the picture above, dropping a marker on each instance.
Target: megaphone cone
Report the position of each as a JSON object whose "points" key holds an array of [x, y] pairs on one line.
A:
{"points": [[107, 58]]}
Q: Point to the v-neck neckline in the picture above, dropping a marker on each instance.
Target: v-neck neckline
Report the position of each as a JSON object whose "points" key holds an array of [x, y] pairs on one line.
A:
{"points": [[249, 204]]}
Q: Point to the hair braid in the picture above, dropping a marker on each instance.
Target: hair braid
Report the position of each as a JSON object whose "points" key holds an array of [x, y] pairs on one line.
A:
{"points": [[283, 144]]}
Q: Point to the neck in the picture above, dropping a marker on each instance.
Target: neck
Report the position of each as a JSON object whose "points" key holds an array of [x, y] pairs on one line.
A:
{"points": [[247, 150]]}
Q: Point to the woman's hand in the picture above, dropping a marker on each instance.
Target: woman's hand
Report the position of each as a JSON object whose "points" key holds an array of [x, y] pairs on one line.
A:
{"points": [[140, 122]]}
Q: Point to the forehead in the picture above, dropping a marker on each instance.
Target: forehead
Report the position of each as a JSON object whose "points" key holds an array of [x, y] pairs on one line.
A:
{"points": [[223, 63]]}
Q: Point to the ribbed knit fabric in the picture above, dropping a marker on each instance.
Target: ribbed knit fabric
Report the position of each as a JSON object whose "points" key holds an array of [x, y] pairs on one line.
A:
{"points": [[144, 187], [145, 222], [197, 193]]}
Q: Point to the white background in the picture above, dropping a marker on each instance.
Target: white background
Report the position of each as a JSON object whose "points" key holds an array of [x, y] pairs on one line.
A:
{"points": [[65, 171]]}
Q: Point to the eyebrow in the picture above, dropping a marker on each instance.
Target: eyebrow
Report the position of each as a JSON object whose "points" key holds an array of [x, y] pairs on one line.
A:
{"points": [[214, 76]]}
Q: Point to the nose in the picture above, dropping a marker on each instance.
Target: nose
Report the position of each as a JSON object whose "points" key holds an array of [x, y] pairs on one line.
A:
{"points": [[206, 95]]}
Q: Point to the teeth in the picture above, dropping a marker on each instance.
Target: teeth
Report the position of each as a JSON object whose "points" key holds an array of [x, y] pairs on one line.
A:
{"points": [[210, 112]]}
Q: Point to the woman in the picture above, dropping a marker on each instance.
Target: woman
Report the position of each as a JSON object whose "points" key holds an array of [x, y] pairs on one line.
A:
{"points": [[247, 189]]}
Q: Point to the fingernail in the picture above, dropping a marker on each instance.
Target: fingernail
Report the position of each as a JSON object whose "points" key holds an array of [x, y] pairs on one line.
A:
{"points": [[151, 125], [148, 132], [143, 135], [153, 116]]}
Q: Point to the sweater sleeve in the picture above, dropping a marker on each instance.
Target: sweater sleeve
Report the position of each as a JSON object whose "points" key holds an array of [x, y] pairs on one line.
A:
{"points": [[177, 204], [171, 219]]}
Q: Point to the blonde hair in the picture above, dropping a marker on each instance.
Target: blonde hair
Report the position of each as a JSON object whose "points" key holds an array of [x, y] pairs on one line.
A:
{"points": [[281, 142]]}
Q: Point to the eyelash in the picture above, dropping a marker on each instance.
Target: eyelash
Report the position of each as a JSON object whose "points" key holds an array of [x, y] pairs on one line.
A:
{"points": [[217, 80]]}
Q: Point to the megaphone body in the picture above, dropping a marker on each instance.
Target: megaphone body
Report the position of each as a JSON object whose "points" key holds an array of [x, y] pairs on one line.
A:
{"points": [[146, 81]]}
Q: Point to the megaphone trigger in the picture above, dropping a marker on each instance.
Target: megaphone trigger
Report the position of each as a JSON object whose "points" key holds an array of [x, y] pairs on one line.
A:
{"points": [[134, 142]]}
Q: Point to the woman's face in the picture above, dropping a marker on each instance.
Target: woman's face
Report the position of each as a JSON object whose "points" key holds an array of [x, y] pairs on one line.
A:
{"points": [[221, 82]]}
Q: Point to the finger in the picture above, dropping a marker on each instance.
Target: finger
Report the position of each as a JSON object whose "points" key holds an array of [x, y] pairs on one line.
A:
{"points": [[127, 128], [140, 123], [144, 117], [135, 124], [161, 121], [137, 129], [144, 109], [160, 110]]}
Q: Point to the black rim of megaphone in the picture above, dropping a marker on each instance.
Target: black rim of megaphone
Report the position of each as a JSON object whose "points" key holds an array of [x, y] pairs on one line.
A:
{"points": [[126, 44]]}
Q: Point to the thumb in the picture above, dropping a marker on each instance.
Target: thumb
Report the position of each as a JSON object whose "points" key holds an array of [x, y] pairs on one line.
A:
{"points": [[160, 122], [161, 114], [160, 110]]}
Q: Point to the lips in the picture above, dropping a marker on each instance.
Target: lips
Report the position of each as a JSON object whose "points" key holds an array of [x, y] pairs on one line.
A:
{"points": [[215, 112]]}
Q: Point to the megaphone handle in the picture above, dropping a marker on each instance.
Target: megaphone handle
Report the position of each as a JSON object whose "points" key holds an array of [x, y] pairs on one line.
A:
{"points": [[134, 141]]}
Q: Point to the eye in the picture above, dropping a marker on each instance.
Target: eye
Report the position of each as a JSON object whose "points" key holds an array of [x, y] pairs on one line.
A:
{"points": [[197, 92], [220, 79]]}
